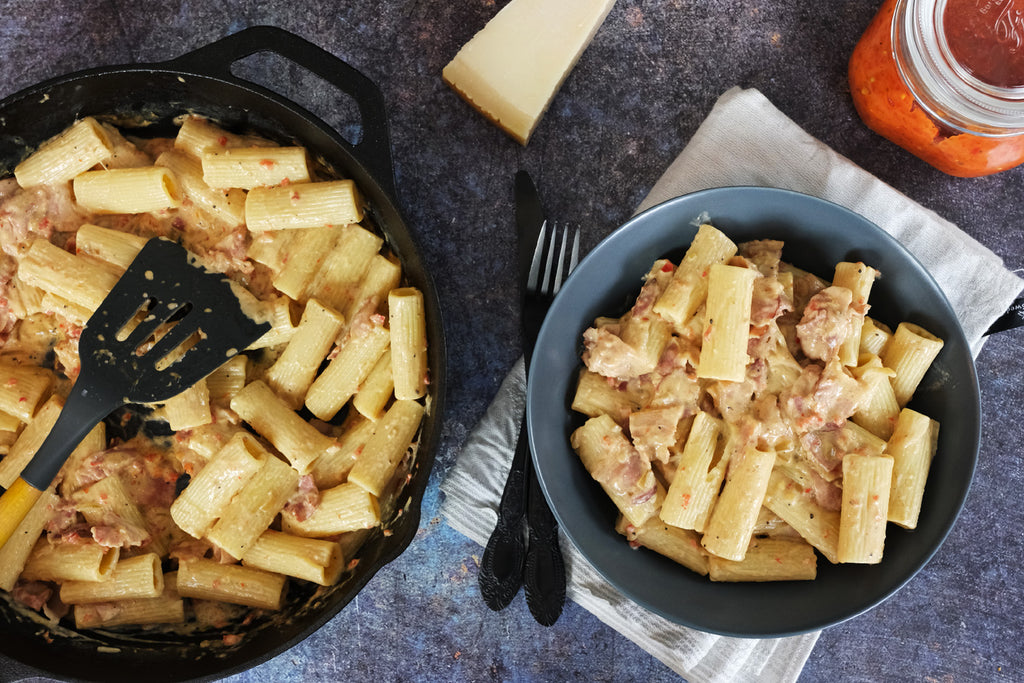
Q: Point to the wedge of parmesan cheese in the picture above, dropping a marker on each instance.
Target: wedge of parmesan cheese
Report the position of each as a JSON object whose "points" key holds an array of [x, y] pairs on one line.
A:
{"points": [[511, 70]]}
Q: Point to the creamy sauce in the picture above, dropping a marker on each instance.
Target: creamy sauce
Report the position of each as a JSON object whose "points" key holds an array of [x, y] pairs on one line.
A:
{"points": [[796, 398], [150, 460]]}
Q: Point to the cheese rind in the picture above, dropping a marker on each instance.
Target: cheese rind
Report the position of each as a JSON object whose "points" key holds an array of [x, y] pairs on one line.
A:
{"points": [[511, 69]]}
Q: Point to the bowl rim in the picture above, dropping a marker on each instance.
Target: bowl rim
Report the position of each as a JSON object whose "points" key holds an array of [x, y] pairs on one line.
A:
{"points": [[687, 210]]}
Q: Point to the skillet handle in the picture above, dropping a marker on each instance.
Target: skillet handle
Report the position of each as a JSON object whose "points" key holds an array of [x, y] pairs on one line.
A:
{"points": [[215, 60]]}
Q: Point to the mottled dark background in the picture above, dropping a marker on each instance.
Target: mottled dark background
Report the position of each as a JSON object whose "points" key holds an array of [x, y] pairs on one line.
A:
{"points": [[638, 94]]}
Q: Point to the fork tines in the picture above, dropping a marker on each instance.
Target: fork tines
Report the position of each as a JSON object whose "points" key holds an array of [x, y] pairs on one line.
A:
{"points": [[547, 286]]}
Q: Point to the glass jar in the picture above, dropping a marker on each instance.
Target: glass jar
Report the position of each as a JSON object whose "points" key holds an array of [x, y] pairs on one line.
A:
{"points": [[944, 79]]}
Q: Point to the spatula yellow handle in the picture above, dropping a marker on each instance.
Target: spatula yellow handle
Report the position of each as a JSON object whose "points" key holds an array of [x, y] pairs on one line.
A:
{"points": [[14, 505]]}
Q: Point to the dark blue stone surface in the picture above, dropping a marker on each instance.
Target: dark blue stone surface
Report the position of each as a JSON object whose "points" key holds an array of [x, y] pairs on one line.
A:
{"points": [[638, 94]]}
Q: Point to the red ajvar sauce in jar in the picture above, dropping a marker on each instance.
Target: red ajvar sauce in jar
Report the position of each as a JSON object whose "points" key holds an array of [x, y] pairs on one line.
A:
{"points": [[944, 79]]}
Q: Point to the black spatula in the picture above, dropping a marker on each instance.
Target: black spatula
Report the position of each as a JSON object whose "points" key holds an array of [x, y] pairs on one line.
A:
{"points": [[165, 325]]}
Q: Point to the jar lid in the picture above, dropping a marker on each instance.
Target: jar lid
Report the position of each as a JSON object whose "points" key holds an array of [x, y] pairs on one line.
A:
{"points": [[964, 62]]}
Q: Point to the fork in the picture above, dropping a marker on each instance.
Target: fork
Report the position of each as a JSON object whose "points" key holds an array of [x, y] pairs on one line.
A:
{"points": [[502, 569]]}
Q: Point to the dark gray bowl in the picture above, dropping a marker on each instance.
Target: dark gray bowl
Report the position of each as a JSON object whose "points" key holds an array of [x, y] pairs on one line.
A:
{"points": [[817, 234]]}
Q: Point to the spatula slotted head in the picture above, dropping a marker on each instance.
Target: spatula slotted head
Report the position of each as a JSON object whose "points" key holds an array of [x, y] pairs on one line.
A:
{"points": [[165, 325]]}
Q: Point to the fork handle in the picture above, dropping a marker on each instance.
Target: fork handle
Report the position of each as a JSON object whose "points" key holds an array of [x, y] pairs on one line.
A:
{"points": [[501, 569], [545, 569]]}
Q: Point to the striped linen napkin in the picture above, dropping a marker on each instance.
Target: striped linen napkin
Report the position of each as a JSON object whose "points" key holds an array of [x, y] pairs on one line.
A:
{"points": [[745, 140]]}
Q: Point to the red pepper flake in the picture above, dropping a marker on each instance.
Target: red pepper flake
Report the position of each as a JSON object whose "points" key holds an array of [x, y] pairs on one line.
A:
{"points": [[267, 163], [684, 501], [222, 141], [668, 267]]}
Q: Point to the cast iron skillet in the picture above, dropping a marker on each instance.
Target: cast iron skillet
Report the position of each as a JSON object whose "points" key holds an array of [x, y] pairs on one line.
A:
{"points": [[150, 96]]}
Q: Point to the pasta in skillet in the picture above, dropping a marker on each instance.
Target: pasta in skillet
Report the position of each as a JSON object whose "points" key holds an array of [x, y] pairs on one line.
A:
{"points": [[271, 470], [745, 416]]}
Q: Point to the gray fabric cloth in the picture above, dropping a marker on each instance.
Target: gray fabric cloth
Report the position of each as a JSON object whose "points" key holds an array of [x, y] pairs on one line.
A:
{"points": [[744, 141]]}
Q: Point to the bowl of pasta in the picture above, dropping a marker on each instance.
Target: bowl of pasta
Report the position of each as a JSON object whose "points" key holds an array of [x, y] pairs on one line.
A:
{"points": [[197, 537], [759, 414]]}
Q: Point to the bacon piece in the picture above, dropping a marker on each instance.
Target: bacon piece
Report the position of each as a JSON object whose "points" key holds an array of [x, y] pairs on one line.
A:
{"points": [[654, 284], [305, 500], [64, 520], [622, 468], [115, 532], [45, 211], [769, 301], [820, 397], [653, 430], [32, 594], [608, 355], [189, 549], [826, 323], [764, 254]]}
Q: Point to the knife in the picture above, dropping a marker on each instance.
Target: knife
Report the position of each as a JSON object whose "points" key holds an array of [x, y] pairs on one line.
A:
{"points": [[508, 560]]}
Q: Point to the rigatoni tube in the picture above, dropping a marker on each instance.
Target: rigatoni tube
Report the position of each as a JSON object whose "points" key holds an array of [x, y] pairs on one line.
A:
{"points": [[304, 205], [64, 156], [127, 190], [408, 342]]}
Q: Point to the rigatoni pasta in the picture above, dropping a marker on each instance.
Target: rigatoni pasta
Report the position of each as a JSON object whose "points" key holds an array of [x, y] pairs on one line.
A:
{"points": [[224, 205], [127, 190], [77, 149], [231, 490], [305, 205], [310, 559], [773, 394], [909, 354], [249, 167], [133, 578], [293, 372], [210, 580], [723, 353], [408, 342]]}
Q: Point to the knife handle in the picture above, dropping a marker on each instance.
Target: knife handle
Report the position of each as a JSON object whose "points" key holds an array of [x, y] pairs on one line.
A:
{"points": [[501, 569], [545, 568]]}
